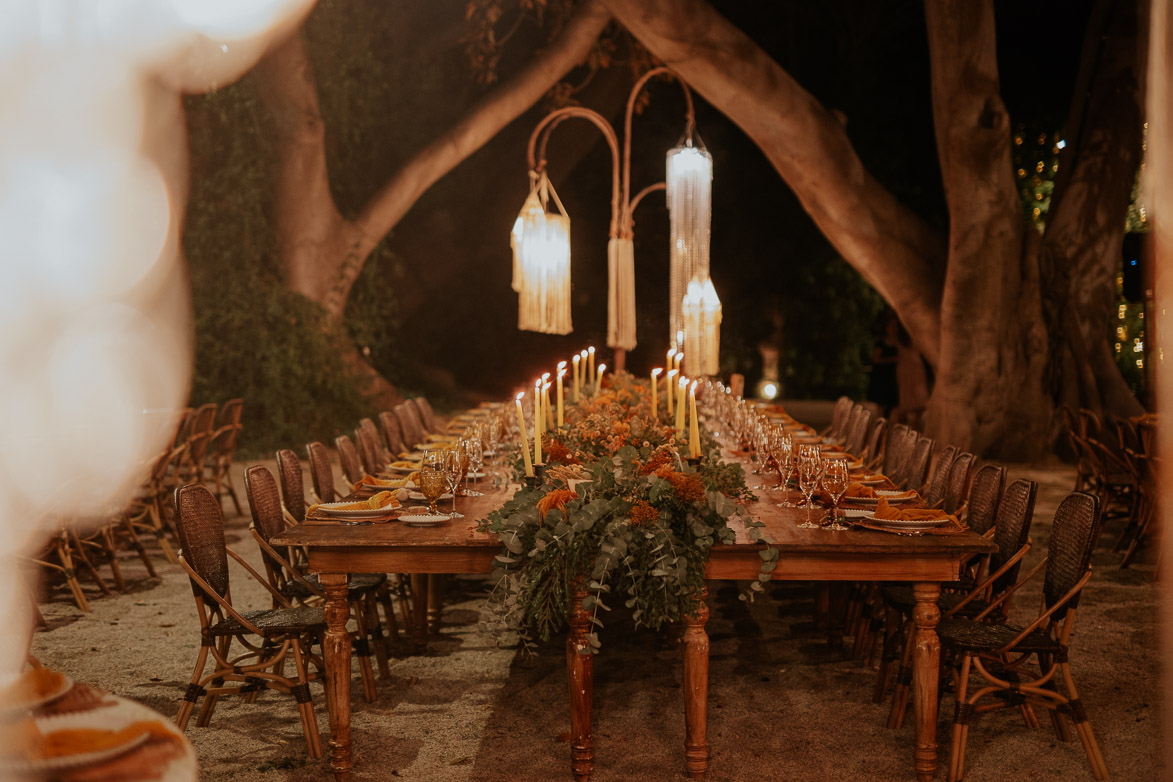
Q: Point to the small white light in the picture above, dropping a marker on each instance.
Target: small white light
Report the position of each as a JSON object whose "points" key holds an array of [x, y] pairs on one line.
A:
{"points": [[1062, 144], [770, 391]]}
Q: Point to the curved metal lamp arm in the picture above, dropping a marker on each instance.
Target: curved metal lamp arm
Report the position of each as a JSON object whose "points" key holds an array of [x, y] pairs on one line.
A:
{"points": [[640, 196], [555, 118], [690, 120]]}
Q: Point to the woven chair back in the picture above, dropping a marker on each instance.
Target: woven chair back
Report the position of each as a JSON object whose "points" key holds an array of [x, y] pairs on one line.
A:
{"points": [[916, 468], [857, 437], [1073, 535], [392, 433], [265, 504], [876, 438], [936, 491], [959, 474], [1016, 511], [348, 457], [199, 523], [850, 423], [1089, 425], [1127, 435], [230, 415], [985, 494], [408, 415], [292, 486], [201, 431], [839, 416], [896, 451], [321, 472], [427, 414], [368, 449]]}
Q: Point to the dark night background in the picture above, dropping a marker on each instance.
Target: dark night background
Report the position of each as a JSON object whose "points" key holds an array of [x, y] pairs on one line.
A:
{"points": [[437, 294]]}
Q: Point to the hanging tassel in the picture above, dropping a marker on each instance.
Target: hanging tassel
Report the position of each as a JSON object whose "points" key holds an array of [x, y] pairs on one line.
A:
{"points": [[621, 294]]}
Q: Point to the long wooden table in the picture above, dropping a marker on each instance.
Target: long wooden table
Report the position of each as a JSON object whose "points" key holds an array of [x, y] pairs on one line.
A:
{"points": [[336, 551]]}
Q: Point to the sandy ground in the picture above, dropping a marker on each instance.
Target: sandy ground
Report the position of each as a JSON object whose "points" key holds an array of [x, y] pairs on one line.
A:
{"points": [[783, 704]]}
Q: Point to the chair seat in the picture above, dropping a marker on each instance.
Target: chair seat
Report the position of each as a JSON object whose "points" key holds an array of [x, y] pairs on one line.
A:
{"points": [[360, 585], [901, 597], [274, 621], [970, 636]]}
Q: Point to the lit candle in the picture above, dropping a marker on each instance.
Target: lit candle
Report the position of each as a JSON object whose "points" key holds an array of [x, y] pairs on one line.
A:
{"points": [[670, 390], [590, 364], [538, 422], [599, 379], [680, 407], [679, 359], [655, 402], [561, 372], [548, 423], [671, 353], [529, 465], [694, 431], [575, 358]]}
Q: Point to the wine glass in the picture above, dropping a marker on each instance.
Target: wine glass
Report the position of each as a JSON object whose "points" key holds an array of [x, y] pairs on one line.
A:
{"points": [[432, 479], [476, 458], [809, 471], [788, 464], [452, 476], [835, 481]]}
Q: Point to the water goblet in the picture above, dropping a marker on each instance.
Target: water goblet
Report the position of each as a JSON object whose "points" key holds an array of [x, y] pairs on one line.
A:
{"points": [[835, 482], [809, 472], [452, 476]]}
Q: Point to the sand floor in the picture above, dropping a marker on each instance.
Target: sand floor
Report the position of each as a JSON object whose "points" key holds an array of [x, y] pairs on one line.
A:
{"points": [[783, 704]]}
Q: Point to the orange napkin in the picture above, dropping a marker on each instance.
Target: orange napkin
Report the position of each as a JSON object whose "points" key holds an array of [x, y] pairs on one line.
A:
{"points": [[859, 490], [378, 483], [384, 499], [887, 512], [76, 741], [32, 685]]}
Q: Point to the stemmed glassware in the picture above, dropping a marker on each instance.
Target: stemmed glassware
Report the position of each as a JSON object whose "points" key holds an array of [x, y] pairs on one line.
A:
{"points": [[467, 444], [835, 482], [787, 462], [476, 458], [432, 479], [810, 468], [452, 476]]}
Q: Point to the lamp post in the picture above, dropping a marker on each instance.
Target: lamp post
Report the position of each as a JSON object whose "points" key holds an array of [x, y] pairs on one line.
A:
{"points": [[620, 251]]}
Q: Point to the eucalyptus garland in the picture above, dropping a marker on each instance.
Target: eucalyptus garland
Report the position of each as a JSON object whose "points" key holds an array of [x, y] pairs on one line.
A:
{"points": [[619, 511]]}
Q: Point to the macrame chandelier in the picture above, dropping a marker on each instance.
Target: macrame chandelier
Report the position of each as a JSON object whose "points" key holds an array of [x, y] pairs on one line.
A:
{"points": [[541, 261], [689, 193], [701, 313]]}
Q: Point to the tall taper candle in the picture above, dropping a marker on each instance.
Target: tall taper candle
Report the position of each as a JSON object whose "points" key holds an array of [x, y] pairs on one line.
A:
{"points": [[670, 390], [655, 382], [529, 465], [561, 372], [549, 416], [694, 431], [575, 359], [599, 379], [680, 406], [590, 364], [538, 413]]}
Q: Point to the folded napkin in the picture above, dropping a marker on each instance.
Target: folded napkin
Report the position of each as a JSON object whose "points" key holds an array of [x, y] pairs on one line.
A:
{"points": [[77, 741], [406, 465], [32, 685], [887, 512], [443, 438], [384, 499], [379, 483], [858, 490]]}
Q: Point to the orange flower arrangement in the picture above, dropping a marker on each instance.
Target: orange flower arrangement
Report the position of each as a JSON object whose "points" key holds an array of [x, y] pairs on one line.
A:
{"points": [[642, 514], [661, 457], [689, 488], [556, 499], [558, 453]]}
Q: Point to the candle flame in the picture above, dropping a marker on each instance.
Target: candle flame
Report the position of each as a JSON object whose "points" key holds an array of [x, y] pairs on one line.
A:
{"points": [[601, 368], [521, 396], [576, 357], [591, 349], [545, 376], [561, 370], [683, 382], [692, 388], [584, 353], [671, 353], [561, 365], [545, 386], [657, 371]]}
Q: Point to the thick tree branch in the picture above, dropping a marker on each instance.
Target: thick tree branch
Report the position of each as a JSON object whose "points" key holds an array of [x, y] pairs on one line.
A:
{"points": [[496, 110], [895, 250]]}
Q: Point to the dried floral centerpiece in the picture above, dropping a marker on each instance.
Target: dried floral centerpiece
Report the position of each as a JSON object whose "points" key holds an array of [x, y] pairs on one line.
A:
{"points": [[619, 514]]}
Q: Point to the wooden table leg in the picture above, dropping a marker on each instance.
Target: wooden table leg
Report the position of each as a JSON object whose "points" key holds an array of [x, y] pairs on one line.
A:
{"points": [[696, 690], [580, 671], [336, 649], [419, 607], [926, 656]]}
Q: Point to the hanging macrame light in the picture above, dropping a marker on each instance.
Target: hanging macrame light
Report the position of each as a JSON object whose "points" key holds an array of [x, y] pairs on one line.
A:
{"points": [[541, 262], [701, 312], [689, 192], [621, 293]]}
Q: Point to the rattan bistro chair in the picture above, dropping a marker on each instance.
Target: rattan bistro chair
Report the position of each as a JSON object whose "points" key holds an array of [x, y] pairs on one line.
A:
{"points": [[321, 472], [969, 597], [409, 422], [292, 485], [999, 653], [221, 449], [874, 455], [935, 493], [370, 450], [392, 433], [958, 487], [985, 495], [348, 458], [298, 587], [916, 466], [838, 417], [268, 636], [427, 414]]}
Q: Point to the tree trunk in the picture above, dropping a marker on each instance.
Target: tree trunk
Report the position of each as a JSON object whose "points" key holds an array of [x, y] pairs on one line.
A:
{"points": [[894, 249], [1085, 226], [989, 395]]}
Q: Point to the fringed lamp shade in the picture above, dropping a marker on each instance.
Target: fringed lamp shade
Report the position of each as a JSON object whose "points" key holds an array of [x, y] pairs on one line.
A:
{"points": [[541, 263], [689, 193], [701, 312], [621, 294]]}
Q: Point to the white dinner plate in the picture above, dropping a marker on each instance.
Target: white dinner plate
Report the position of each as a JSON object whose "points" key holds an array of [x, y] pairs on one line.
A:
{"points": [[891, 498], [63, 686], [333, 510], [104, 718], [424, 520]]}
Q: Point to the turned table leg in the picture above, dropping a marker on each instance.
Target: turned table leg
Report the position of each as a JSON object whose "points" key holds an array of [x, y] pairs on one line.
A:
{"points": [[580, 669], [419, 607], [336, 649], [696, 690], [926, 656]]}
